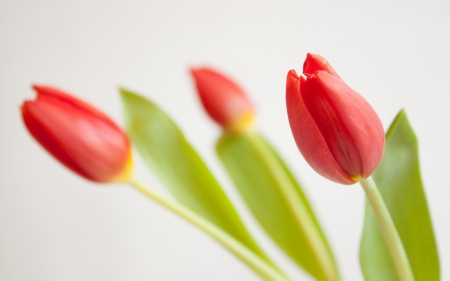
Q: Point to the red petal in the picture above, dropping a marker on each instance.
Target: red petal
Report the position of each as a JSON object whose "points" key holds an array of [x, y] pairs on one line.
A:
{"points": [[350, 126], [78, 135], [223, 99], [315, 63], [307, 135]]}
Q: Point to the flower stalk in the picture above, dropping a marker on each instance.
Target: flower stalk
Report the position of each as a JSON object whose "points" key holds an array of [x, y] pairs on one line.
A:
{"points": [[391, 236], [261, 267]]}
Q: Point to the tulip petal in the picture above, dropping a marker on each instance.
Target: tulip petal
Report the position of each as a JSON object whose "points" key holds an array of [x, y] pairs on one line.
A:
{"points": [[78, 135], [322, 100], [315, 63], [56, 96], [350, 126], [307, 135], [224, 101]]}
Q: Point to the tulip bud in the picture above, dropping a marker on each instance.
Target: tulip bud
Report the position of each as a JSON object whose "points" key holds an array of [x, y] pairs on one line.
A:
{"points": [[335, 128], [225, 102], [81, 137]]}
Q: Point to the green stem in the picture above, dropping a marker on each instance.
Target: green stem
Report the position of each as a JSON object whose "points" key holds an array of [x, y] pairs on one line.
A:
{"points": [[390, 233], [299, 210], [261, 267]]}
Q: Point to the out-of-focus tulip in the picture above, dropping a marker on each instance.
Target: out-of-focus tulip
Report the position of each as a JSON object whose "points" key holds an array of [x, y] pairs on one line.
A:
{"points": [[80, 136], [335, 128], [225, 102]]}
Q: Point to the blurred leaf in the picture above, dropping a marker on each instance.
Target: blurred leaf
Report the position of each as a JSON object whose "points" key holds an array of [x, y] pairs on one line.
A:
{"points": [[258, 171], [178, 166], [398, 179]]}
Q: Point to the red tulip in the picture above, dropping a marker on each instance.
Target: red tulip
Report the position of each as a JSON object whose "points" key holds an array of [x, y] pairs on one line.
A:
{"points": [[335, 128], [80, 136], [224, 101]]}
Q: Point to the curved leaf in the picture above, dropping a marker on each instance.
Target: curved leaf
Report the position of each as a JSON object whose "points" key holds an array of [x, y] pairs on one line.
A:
{"points": [[399, 182], [270, 191], [178, 166]]}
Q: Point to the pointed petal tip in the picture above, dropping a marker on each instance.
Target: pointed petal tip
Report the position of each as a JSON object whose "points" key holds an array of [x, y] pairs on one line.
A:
{"points": [[202, 73], [309, 58], [314, 63], [311, 63], [200, 69], [27, 102], [306, 63], [292, 74], [292, 82], [43, 90], [39, 88], [25, 105], [193, 71]]}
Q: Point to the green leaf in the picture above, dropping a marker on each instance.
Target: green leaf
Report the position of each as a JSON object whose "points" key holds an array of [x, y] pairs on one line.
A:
{"points": [[178, 166], [399, 182], [277, 201]]}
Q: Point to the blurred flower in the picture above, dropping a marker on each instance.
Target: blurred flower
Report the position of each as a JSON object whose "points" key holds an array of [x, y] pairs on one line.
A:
{"points": [[335, 128], [225, 102], [80, 136]]}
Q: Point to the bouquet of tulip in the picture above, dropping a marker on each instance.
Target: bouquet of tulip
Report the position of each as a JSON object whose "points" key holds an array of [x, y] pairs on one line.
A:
{"points": [[337, 132]]}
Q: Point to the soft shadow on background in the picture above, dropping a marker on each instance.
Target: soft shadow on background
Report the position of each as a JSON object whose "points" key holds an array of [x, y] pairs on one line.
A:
{"points": [[57, 226]]}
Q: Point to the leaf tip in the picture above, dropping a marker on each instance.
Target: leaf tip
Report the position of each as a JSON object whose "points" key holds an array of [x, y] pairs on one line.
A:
{"points": [[124, 92], [399, 118]]}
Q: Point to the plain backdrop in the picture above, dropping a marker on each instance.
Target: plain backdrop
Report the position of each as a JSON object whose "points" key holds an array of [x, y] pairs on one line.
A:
{"points": [[55, 225]]}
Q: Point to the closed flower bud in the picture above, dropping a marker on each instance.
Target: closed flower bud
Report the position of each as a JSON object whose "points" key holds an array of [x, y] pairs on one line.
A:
{"points": [[80, 136], [335, 128], [224, 101]]}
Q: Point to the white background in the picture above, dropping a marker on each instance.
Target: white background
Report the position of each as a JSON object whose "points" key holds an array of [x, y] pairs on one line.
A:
{"points": [[57, 226]]}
